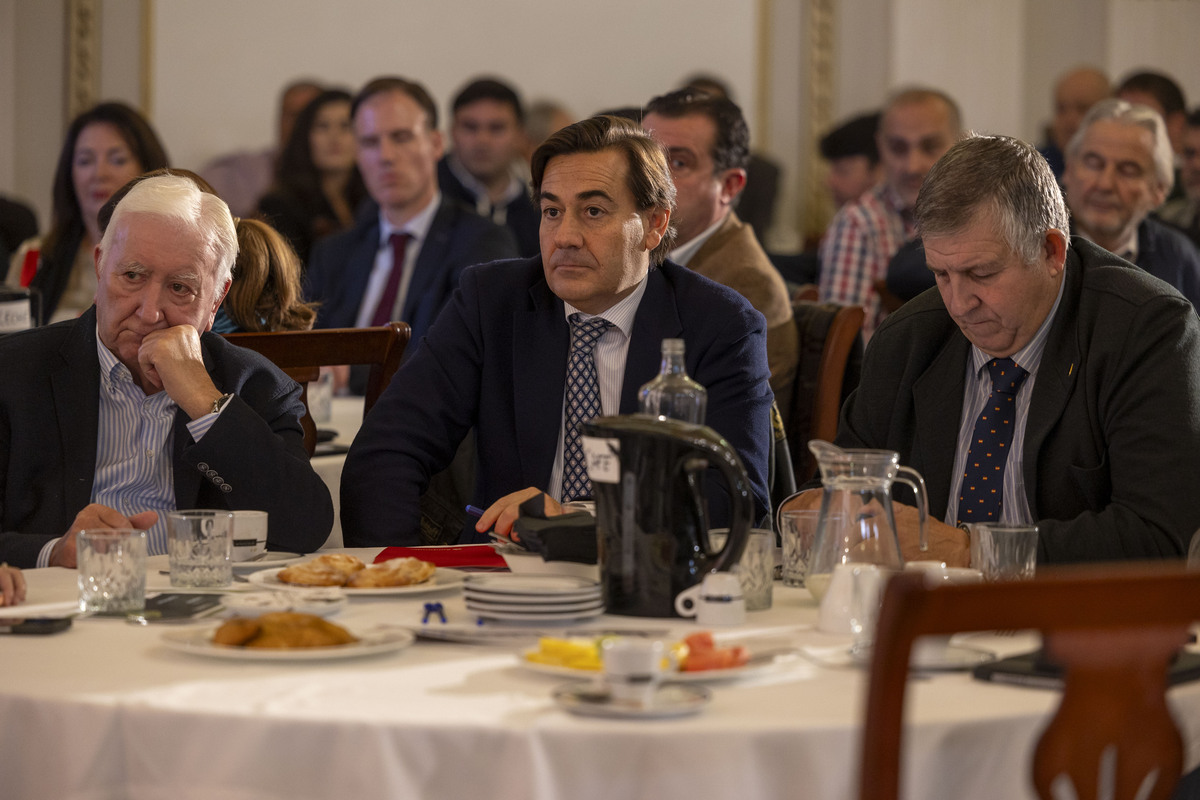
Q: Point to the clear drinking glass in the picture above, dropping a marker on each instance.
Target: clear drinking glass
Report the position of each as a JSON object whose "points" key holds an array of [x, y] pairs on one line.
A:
{"points": [[1004, 552], [111, 569], [798, 531], [199, 545]]}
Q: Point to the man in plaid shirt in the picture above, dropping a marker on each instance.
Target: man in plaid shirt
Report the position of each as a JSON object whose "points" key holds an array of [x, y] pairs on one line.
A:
{"points": [[917, 128]]}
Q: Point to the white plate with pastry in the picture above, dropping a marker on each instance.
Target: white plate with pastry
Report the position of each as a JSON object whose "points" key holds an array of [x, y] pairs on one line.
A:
{"points": [[370, 640], [443, 578]]}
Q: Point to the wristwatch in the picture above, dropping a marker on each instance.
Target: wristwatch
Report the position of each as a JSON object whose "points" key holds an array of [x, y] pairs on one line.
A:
{"points": [[220, 402]]}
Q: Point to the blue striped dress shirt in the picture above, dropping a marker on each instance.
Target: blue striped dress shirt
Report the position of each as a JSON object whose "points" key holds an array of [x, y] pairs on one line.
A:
{"points": [[134, 450], [1014, 508]]}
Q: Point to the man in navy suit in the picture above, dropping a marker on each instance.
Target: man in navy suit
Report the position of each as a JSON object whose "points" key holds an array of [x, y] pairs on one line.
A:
{"points": [[497, 357], [355, 275]]}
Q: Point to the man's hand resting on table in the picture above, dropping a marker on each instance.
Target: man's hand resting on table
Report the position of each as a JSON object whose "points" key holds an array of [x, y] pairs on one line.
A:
{"points": [[946, 543], [92, 517], [501, 514]]}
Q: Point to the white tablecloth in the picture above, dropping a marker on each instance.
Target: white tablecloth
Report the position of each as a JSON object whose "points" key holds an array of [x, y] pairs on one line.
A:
{"points": [[346, 420], [106, 711]]}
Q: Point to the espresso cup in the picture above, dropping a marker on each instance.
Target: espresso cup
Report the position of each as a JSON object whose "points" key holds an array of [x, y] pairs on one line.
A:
{"points": [[633, 669], [249, 535], [717, 600]]}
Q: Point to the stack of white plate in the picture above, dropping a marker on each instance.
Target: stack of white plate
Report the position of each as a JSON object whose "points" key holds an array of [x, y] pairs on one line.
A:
{"points": [[532, 598]]}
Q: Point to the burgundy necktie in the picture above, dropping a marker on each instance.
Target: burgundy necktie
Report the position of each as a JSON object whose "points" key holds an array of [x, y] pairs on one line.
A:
{"points": [[383, 311]]}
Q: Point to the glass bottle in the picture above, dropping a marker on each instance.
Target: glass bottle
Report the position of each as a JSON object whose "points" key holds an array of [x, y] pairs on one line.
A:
{"points": [[673, 394]]}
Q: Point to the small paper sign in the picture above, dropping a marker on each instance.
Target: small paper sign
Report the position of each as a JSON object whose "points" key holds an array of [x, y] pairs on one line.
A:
{"points": [[603, 459]]}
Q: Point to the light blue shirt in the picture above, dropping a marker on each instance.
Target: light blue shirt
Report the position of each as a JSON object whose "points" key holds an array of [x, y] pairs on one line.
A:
{"points": [[134, 450]]}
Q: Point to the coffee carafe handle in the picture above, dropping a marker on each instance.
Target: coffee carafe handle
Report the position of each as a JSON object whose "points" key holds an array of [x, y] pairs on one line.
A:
{"points": [[913, 478], [741, 511]]}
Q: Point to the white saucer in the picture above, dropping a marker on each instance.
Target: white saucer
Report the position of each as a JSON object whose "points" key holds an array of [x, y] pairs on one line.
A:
{"points": [[540, 616], [534, 608], [273, 558], [559, 586], [594, 700], [324, 602]]}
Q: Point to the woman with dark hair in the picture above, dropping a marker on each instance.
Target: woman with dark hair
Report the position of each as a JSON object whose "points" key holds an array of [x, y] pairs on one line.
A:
{"points": [[317, 186], [105, 147]]}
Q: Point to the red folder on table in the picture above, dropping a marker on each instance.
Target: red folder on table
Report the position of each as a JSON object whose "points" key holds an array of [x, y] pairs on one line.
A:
{"points": [[459, 555]]}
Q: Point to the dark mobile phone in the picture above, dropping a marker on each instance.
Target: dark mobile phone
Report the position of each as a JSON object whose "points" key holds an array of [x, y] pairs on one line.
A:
{"points": [[38, 625]]}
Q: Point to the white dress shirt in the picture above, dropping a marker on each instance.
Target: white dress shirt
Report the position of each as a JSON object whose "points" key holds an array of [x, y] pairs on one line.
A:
{"points": [[417, 229]]}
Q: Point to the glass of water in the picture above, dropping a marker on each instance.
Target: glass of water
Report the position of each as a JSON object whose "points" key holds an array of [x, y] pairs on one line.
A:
{"points": [[111, 569], [199, 545]]}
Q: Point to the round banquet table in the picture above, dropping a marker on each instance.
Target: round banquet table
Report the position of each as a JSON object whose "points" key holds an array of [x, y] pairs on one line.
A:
{"points": [[106, 711]]}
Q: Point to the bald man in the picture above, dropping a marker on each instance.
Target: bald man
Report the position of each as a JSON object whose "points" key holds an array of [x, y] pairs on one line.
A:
{"points": [[1074, 93]]}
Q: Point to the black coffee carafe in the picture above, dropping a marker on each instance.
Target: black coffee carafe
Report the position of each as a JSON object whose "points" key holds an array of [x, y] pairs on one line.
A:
{"points": [[647, 477]]}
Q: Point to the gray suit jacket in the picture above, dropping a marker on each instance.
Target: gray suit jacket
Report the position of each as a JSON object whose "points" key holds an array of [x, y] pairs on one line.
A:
{"points": [[1112, 443]]}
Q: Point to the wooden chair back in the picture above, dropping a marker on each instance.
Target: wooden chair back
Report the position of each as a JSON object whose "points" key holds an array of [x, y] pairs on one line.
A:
{"points": [[830, 350], [301, 354], [1114, 631]]}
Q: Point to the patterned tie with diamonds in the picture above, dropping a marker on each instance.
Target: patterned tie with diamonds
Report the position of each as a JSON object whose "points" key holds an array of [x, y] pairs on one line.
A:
{"points": [[583, 402], [982, 490]]}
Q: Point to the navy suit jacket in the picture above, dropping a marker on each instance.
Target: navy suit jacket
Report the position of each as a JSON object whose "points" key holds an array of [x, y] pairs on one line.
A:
{"points": [[341, 265], [1112, 441], [253, 456], [522, 217], [496, 361]]}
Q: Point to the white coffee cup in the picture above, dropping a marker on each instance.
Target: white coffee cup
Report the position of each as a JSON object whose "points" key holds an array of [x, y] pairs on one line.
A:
{"points": [[249, 534], [633, 669], [716, 600]]}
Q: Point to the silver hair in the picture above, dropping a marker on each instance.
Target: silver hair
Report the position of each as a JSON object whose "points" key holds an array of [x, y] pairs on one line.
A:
{"points": [[176, 198], [1126, 113], [997, 173]]}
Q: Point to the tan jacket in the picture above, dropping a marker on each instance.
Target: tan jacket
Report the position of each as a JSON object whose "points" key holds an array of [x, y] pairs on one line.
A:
{"points": [[732, 256]]}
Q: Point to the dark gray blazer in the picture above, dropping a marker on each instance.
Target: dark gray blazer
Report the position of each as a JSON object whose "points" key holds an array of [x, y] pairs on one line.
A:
{"points": [[253, 457], [1112, 444]]}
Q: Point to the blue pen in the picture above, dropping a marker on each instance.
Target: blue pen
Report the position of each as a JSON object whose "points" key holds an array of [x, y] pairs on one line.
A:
{"points": [[475, 511]]}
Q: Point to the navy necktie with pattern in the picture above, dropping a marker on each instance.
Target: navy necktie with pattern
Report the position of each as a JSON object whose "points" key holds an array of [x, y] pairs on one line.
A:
{"points": [[982, 492], [583, 402]]}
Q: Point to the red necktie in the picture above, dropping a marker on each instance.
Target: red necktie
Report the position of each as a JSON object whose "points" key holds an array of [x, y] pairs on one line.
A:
{"points": [[383, 311]]}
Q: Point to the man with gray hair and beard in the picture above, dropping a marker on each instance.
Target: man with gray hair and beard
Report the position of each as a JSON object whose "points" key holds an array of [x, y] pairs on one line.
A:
{"points": [[134, 409], [1043, 381]]}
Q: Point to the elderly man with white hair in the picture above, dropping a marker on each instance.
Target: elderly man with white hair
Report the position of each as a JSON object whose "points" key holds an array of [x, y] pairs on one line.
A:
{"points": [[1120, 167], [134, 409]]}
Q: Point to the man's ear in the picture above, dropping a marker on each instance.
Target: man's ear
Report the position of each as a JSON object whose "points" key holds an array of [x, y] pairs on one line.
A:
{"points": [[732, 183], [657, 220], [1054, 249], [220, 299]]}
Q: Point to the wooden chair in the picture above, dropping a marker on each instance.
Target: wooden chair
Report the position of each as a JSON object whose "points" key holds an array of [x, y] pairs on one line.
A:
{"points": [[830, 356], [1112, 629], [301, 354]]}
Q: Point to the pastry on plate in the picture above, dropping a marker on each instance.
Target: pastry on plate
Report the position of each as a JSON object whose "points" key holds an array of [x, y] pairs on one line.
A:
{"points": [[393, 572], [330, 569], [282, 629]]}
